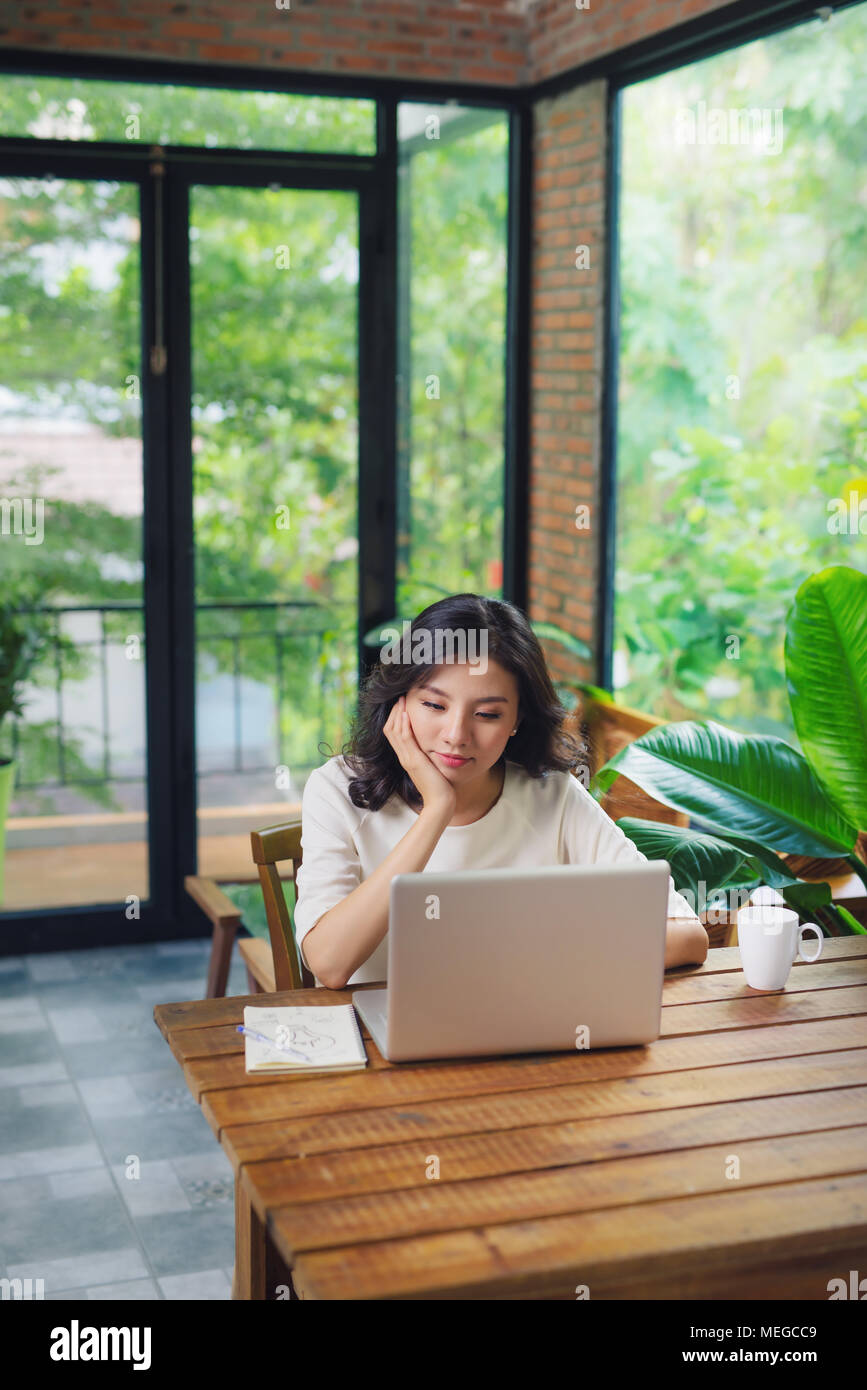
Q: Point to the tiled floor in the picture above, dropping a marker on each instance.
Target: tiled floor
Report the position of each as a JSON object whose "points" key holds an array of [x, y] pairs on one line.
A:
{"points": [[112, 1185]]}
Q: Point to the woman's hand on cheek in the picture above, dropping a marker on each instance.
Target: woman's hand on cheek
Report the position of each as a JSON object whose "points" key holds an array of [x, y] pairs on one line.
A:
{"points": [[432, 785]]}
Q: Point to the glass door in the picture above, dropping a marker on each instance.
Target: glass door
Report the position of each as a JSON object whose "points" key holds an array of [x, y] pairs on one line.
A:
{"points": [[274, 293], [71, 548]]}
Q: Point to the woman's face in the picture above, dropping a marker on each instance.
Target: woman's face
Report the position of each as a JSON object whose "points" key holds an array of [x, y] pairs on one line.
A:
{"points": [[457, 715]]}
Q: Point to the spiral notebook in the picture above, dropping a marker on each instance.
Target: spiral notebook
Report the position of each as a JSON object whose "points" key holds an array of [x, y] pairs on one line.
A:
{"points": [[321, 1038]]}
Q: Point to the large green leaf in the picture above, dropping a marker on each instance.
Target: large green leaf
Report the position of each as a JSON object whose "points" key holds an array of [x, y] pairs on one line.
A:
{"points": [[693, 856], [826, 670], [757, 786], [697, 859]]}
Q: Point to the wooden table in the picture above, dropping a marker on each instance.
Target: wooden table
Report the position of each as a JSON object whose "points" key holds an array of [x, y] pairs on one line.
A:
{"points": [[727, 1159]]}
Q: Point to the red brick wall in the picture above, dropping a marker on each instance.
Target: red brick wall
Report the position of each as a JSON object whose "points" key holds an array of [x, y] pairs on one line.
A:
{"points": [[453, 40], [566, 363], [562, 37]]}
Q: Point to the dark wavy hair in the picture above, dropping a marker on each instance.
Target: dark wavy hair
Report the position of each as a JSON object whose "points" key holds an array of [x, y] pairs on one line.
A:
{"points": [[541, 744]]}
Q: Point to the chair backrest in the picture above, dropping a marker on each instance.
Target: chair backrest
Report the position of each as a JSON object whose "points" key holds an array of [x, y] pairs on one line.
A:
{"points": [[275, 845], [606, 729]]}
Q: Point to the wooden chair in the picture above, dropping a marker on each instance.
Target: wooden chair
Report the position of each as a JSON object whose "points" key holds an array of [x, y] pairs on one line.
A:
{"points": [[271, 964], [225, 919], [281, 966]]}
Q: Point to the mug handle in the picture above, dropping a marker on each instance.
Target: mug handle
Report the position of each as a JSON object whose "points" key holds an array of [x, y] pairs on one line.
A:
{"points": [[810, 926]]}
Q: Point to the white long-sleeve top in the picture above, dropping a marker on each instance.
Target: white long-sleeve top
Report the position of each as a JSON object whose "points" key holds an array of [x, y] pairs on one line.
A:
{"points": [[534, 822]]}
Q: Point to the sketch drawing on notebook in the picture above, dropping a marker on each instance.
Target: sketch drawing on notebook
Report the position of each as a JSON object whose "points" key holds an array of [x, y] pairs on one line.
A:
{"points": [[301, 1036]]}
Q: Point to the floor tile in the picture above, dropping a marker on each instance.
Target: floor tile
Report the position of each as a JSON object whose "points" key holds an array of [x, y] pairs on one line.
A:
{"points": [[37, 1127], [54, 1229], [206, 1177], [209, 1284], [83, 1182], [86, 1269], [55, 1093], [163, 1090], [51, 968], [89, 994], [33, 1073], [76, 1025], [19, 1003], [200, 947], [23, 1191], [135, 1291], [205, 1239], [12, 984], [109, 1095], [26, 1048], [156, 1190], [123, 1055], [171, 1136], [173, 991], [23, 1023], [53, 1160], [127, 1020]]}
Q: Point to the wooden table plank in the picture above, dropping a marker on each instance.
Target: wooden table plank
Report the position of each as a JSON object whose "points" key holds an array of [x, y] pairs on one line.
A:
{"points": [[729, 984], [834, 948], [203, 1013], [452, 1205], [757, 1010], [234, 1104], [490, 1153], [605, 1250], [653, 1094]]}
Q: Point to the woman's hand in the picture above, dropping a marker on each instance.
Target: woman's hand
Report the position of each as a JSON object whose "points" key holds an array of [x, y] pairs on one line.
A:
{"points": [[433, 786]]}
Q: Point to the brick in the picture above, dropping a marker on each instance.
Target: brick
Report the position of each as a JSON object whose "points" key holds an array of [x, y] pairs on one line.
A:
{"points": [[358, 62], [230, 52], [121, 23], [185, 29], [410, 46]]}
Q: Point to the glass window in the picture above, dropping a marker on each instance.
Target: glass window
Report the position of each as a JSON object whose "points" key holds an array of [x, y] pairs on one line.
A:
{"points": [[742, 419], [55, 108], [452, 210]]}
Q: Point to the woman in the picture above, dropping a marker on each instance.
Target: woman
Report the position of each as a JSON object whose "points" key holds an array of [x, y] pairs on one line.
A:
{"points": [[450, 765]]}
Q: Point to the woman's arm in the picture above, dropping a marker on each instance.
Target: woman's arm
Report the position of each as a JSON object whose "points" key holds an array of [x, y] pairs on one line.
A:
{"points": [[686, 942], [345, 936], [355, 926]]}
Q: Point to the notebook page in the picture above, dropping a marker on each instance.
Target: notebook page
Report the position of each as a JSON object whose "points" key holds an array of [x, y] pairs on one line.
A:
{"points": [[327, 1035]]}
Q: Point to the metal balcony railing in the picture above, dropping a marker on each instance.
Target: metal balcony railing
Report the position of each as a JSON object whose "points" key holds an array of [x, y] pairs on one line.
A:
{"points": [[309, 633]]}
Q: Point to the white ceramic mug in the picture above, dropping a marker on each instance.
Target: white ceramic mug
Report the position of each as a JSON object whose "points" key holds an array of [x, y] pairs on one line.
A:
{"points": [[769, 939]]}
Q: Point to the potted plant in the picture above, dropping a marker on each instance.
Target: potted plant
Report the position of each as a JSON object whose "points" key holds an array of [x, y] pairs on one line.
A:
{"points": [[23, 639], [762, 807]]}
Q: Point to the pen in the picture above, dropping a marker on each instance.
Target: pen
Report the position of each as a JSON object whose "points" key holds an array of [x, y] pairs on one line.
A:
{"points": [[260, 1037]]}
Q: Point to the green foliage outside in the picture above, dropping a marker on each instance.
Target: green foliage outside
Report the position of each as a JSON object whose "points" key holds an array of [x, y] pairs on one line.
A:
{"points": [[743, 375]]}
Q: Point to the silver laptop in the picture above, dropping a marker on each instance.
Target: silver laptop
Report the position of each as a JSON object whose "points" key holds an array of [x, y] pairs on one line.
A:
{"points": [[500, 961]]}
